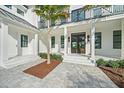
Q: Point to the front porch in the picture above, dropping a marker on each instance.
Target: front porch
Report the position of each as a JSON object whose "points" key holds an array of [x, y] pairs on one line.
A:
{"points": [[104, 28]]}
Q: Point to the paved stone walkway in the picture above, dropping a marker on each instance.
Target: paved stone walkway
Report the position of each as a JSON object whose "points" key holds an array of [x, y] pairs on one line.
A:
{"points": [[65, 75]]}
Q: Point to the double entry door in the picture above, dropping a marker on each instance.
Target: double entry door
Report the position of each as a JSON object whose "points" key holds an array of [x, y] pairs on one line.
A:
{"points": [[78, 43]]}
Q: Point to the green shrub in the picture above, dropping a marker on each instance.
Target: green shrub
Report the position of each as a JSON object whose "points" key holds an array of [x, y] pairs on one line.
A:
{"points": [[52, 56], [121, 63], [113, 64], [43, 55], [101, 62], [56, 57]]}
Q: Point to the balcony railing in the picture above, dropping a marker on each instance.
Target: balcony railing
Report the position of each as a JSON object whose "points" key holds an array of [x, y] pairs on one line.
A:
{"points": [[113, 10]]}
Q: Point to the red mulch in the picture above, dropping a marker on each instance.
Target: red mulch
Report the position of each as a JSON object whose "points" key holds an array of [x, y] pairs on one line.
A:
{"points": [[42, 69], [115, 75]]}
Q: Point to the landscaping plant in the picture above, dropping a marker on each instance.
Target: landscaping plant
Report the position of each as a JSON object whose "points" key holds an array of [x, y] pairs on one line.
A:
{"points": [[51, 13], [57, 57]]}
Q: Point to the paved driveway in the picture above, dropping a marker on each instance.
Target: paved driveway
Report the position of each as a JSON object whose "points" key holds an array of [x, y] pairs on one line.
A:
{"points": [[64, 75]]}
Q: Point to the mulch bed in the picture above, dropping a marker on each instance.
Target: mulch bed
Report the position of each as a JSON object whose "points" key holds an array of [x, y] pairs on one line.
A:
{"points": [[115, 75], [42, 69]]}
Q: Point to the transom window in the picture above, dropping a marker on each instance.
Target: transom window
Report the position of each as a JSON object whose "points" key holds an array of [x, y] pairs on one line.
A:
{"points": [[53, 42], [78, 15], [98, 40], [62, 41], [20, 12], [117, 39], [8, 6], [24, 41]]}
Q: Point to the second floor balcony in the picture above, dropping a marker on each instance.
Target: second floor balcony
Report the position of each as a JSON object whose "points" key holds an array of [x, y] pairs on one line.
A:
{"points": [[82, 15]]}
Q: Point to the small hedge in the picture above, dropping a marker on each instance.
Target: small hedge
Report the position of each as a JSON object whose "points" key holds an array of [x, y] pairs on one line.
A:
{"points": [[52, 56], [110, 63], [101, 62]]}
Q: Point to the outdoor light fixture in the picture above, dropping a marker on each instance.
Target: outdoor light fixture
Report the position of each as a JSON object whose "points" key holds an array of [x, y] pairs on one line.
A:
{"points": [[68, 39], [88, 38]]}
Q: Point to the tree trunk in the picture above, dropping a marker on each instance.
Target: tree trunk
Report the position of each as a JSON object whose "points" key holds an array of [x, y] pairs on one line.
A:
{"points": [[48, 47]]}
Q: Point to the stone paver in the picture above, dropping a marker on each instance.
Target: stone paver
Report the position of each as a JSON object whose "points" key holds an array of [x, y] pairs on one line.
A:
{"points": [[65, 75]]}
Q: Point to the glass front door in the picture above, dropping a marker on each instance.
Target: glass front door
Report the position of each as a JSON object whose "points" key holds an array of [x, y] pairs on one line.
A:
{"points": [[78, 43]]}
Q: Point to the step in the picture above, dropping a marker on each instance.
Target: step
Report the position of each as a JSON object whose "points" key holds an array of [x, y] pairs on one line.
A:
{"points": [[77, 59], [74, 60], [79, 62], [74, 57]]}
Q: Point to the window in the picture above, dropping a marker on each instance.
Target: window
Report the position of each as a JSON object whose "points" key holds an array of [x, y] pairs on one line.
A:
{"points": [[24, 41], [62, 41], [8, 6], [53, 42], [63, 20], [117, 39], [77, 15], [52, 22], [98, 40], [20, 12], [97, 12], [118, 8]]}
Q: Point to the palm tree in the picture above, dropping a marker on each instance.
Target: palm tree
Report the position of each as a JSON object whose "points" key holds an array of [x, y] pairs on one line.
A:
{"points": [[51, 13]]}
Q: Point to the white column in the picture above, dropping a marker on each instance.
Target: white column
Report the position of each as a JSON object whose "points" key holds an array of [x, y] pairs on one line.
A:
{"points": [[93, 40], [36, 44], [4, 44], [65, 41], [122, 39]]}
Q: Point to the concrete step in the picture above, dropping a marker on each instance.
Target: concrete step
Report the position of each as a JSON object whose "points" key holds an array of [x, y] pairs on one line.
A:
{"points": [[79, 62], [77, 59], [21, 60]]}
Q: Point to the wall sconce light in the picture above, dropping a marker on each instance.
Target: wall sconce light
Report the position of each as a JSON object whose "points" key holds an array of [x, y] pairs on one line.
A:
{"points": [[88, 38], [68, 39]]}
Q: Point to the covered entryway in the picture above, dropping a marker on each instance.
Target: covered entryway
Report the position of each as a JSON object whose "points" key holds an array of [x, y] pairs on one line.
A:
{"points": [[78, 43]]}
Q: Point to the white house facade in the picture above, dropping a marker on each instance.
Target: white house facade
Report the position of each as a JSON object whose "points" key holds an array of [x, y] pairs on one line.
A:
{"points": [[91, 33], [18, 35]]}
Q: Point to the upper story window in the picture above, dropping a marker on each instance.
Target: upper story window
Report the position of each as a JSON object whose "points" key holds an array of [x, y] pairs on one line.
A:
{"points": [[8, 6], [78, 15], [20, 12], [97, 12], [52, 22], [118, 8], [63, 20]]}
